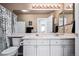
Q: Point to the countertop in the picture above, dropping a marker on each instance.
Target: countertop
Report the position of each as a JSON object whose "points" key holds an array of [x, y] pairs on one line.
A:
{"points": [[43, 35]]}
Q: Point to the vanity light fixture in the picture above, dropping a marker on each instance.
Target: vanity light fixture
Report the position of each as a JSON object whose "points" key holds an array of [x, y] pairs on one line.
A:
{"points": [[68, 6], [46, 6], [56, 6]]}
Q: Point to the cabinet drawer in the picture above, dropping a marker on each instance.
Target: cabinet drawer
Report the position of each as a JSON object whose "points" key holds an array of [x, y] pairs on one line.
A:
{"points": [[56, 42], [68, 42], [63, 42], [42, 42], [29, 42]]}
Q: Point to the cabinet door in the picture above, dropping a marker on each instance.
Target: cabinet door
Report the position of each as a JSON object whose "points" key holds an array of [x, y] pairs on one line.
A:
{"points": [[76, 46], [56, 51], [42, 50], [69, 51], [29, 50]]}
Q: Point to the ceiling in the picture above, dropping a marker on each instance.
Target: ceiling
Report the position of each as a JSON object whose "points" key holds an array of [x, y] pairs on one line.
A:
{"points": [[18, 7], [33, 12]]}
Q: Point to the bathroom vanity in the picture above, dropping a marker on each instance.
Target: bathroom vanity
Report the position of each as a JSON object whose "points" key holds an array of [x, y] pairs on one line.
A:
{"points": [[48, 45]]}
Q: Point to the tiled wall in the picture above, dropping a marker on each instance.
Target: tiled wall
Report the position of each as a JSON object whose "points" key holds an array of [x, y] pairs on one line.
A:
{"points": [[5, 26]]}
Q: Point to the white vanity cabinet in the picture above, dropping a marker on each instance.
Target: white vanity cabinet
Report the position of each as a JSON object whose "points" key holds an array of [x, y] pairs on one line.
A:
{"points": [[62, 47], [48, 47], [69, 50], [56, 50], [42, 47], [43, 50], [62, 50], [69, 47], [36, 48], [29, 48]]}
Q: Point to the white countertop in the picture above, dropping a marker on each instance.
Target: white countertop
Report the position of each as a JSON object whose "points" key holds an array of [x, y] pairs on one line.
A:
{"points": [[43, 35], [49, 36]]}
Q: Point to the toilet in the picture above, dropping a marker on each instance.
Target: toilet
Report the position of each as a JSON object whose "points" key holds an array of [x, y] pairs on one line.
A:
{"points": [[13, 50]]}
